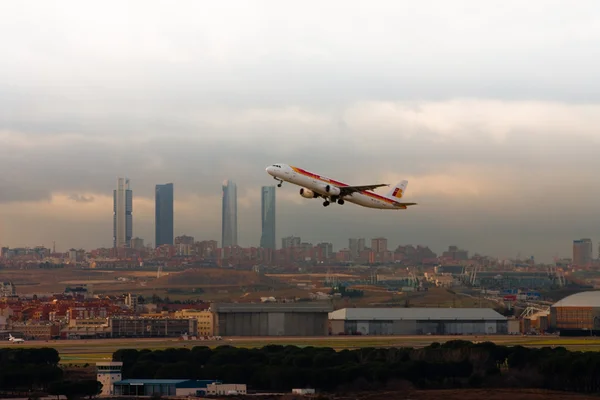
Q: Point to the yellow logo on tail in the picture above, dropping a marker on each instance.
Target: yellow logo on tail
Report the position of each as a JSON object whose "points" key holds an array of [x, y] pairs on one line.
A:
{"points": [[397, 193]]}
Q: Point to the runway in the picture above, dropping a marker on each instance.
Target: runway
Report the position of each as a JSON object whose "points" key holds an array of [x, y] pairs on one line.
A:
{"points": [[90, 351]]}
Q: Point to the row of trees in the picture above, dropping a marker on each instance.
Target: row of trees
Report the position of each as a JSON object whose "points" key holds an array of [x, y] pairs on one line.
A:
{"points": [[27, 370], [455, 364]]}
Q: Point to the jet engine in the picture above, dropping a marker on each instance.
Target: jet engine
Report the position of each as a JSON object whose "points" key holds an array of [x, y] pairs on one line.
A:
{"points": [[307, 193], [332, 190]]}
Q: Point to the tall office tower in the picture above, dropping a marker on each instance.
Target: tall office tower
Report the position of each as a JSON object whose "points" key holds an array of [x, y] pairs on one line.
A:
{"points": [[356, 246], [163, 214], [229, 220], [122, 214], [267, 239], [379, 245], [582, 252]]}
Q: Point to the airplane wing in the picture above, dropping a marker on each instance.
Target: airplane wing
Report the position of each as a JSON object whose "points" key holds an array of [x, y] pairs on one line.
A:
{"points": [[348, 190]]}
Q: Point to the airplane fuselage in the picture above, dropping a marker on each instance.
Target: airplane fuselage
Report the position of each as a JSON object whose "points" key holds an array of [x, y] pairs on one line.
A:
{"points": [[325, 187]]}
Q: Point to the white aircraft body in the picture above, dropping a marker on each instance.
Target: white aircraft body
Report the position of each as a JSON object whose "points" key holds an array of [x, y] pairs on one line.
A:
{"points": [[314, 186], [14, 339]]}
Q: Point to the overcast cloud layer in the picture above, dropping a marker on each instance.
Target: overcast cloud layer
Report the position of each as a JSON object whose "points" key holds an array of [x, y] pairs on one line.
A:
{"points": [[491, 110]]}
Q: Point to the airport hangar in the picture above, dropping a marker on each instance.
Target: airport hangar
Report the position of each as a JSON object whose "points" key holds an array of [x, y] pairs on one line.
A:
{"points": [[417, 321], [271, 319], [577, 314]]}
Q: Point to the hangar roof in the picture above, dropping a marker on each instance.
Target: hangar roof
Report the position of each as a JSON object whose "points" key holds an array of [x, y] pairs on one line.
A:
{"points": [[583, 299], [308, 307], [179, 383], [420, 314]]}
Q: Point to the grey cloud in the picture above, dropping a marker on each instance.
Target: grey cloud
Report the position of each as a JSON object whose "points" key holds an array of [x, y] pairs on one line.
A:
{"points": [[165, 97], [81, 199], [547, 201], [197, 165], [15, 192], [294, 55]]}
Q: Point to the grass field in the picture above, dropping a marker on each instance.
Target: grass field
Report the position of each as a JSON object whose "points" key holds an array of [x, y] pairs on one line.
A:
{"points": [[91, 351]]}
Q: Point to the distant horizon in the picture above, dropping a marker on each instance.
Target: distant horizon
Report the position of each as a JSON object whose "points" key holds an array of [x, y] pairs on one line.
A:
{"points": [[492, 114], [337, 245]]}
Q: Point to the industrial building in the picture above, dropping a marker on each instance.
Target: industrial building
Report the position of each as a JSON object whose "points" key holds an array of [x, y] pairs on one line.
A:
{"points": [[120, 327], [417, 321], [271, 319], [578, 314], [161, 387], [109, 374], [512, 279]]}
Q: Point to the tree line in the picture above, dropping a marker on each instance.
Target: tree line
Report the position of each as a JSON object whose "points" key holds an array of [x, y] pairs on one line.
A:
{"points": [[36, 370], [454, 364]]}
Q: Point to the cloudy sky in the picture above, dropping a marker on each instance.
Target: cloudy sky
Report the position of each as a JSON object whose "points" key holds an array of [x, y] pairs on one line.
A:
{"points": [[490, 109]]}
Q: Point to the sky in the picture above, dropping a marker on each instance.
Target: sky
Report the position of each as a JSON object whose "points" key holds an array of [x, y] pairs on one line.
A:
{"points": [[491, 110]]}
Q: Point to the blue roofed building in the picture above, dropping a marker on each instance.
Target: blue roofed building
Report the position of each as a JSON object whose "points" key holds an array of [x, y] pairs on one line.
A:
{"points": [[163, 387]]}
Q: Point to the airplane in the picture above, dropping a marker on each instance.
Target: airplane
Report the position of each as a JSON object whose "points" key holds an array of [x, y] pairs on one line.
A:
{"points": [[314, 186], [14, 339]]}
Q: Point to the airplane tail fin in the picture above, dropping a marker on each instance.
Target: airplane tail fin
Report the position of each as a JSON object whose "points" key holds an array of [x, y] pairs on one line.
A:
{"points": [[397, 192]]}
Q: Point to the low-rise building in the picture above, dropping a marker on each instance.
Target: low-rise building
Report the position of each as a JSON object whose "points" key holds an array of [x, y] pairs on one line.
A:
{"points": [[205, 320], [39, 331], [417, 321], [161, 387], [224, 389], [151, 327], [271, 319], [86, 328]]}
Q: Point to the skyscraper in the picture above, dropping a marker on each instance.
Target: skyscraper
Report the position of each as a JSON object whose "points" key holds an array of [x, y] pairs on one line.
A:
{"points": [[229, 219], [267, 239], [582, 252], [122, 214], [164, 214]]}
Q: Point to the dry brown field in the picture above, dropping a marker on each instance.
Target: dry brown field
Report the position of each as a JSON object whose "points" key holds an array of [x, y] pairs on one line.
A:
{"points": [[214, 284]]}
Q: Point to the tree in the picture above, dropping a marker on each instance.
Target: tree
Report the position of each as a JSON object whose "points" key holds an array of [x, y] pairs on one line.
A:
{"points": [[74, 390]]}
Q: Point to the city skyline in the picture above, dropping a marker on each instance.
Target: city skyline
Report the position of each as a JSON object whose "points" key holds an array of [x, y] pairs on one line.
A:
{"points": [[164, 215], [491, 114]]}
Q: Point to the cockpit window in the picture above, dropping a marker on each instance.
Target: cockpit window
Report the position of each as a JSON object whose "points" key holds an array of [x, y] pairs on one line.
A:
{"points": [[278, 166]]}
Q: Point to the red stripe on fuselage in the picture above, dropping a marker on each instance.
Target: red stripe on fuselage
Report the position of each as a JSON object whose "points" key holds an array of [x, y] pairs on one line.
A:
{"points": [[340, 184]]}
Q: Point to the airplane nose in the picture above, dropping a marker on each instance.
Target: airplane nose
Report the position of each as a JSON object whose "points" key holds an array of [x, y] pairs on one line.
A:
{"points": [[269, 170]]}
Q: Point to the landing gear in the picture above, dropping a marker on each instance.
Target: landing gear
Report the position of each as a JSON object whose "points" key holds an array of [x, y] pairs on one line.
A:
{"points": [[332, 200], [278, 180], [279, 184]]}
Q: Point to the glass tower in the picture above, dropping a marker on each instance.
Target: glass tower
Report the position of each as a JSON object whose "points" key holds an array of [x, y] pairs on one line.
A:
{"points": [[229, 217], [164, 214], [267, 239], [122, 214]]}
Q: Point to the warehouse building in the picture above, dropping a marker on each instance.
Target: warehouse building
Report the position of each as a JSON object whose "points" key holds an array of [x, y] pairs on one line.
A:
{"points": [[161, 387], [576, 315], [134, 327], [271, 319], [417, 321]]}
